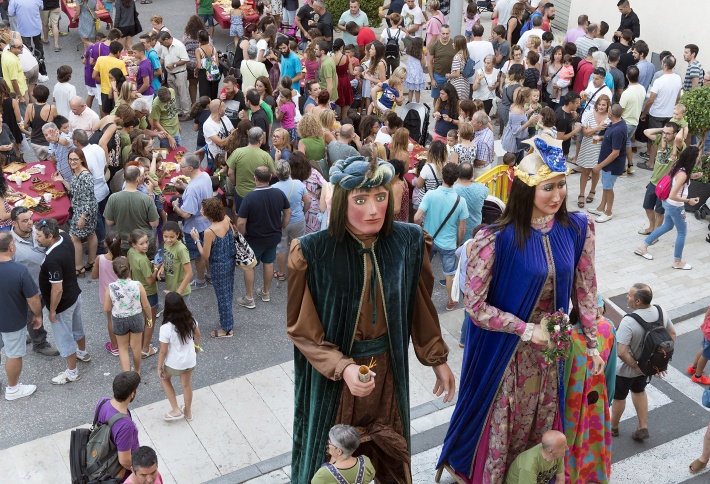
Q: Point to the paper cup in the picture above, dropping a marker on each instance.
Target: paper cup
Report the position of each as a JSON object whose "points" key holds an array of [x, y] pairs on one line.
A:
{"points": [[47, 197], [42, 169], [19, 183], [410, 147], [364, 374]]}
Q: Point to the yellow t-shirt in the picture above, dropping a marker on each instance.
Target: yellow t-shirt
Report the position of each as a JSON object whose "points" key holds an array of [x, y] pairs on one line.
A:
{"points": [[104, 64], [12, 70]]}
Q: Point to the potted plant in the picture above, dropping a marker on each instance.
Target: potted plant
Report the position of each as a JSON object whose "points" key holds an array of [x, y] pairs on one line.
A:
{"points": [[697, 105]]}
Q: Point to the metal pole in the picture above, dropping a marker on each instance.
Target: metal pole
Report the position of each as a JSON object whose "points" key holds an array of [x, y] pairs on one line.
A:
{"points": [[456, 17]]}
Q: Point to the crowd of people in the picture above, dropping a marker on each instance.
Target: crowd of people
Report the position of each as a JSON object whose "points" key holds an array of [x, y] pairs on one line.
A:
{"points": [[302, 150]]}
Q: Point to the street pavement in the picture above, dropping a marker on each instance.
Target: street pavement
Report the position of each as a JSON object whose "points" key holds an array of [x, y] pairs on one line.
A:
{"points": [[241, 381]]}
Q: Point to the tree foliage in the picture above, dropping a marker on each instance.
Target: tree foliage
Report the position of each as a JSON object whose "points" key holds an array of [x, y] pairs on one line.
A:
{"points": [[697, 104], [370, 7]]}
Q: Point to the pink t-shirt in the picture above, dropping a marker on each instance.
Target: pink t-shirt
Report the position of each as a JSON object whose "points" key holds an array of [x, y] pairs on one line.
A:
{"points": [[289, 111], [158, 479], [566, 73], [433, 26], [106, 276]]}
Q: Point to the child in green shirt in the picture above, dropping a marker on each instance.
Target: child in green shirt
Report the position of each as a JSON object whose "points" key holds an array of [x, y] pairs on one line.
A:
{"points": [[176, 261], [143, 271]]}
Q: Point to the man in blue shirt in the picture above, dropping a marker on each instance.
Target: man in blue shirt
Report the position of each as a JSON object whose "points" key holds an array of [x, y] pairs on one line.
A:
{"points": [[446, 215], [646, 69], [29, 25], [290, 63], [612, 162]]}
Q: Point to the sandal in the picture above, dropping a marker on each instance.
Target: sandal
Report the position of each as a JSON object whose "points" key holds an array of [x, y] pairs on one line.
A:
{"points": [[89, 266], [590, 197], [227, 334], [697, 466], [580, 201], [279, 276], [80, 272], [152, 350], [615, 432]]}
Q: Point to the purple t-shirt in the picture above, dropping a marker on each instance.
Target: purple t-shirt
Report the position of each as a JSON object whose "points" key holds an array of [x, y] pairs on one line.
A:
{"points": [[124, 432], [99, 49], [145, 69], [289, 119], [88, 68]]}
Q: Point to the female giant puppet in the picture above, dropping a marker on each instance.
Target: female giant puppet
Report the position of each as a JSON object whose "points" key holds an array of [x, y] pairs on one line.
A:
{"points": [[358, 292], [532, 262]]}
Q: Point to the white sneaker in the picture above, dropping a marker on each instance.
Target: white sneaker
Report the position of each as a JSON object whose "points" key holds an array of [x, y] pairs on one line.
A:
{"points": [[603, 218], [64, 378], [83, 357], [42, 78], [594, 211], [22, 391]]}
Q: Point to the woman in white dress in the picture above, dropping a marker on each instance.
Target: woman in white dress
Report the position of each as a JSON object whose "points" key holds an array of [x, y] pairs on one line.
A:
{"points": [[594, 122]]}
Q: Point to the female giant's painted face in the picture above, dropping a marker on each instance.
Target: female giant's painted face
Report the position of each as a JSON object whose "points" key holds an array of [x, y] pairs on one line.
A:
{"points": [[367, 210], [549, 196]]}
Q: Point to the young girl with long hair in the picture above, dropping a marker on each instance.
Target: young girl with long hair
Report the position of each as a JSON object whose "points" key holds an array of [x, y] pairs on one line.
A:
{"points": [[145, 272], [103, 271], [446, 112], [429, 170], [126, 301], [517, 128], [416, 60], [176, 267], [674, 208], [179, 342]]}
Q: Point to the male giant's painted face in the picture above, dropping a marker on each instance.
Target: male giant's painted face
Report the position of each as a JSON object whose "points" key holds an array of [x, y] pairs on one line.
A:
{"points": [[367, 209]]}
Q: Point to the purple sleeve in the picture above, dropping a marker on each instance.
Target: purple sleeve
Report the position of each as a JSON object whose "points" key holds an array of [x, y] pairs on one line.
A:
{"points": [[125, 435], [145, 69]]}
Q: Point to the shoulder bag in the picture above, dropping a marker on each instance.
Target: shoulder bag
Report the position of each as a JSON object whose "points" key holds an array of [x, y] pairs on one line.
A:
{"points": [[451, 212]]}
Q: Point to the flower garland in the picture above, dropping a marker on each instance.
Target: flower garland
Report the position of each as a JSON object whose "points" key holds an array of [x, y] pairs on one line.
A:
{"points": [[559, 332]]}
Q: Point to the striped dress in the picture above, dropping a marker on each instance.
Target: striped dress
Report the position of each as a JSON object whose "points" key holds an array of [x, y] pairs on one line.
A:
{"points": [[588, 151]]}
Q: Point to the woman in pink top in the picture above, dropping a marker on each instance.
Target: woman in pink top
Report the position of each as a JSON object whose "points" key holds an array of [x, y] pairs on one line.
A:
{"points": [[103, 271], [435, 22]]}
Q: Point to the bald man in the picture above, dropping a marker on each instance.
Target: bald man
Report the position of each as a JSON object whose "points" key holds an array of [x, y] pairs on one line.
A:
{"points": [[542, 462], [81, 116], [217, 128]]}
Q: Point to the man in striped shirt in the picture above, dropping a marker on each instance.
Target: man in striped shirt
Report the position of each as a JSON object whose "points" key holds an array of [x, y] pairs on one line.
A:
{"points": [[694, 73]]}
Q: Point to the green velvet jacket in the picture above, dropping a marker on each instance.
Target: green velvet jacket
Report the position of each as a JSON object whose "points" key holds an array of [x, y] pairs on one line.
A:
{"points": [[336, 280]]}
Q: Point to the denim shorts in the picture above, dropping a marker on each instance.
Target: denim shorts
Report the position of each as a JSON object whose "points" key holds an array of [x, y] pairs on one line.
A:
{"points": [[448, 259], [630, 131], [608, 180], [165, 142], [153, 300], [651, 201], [263, 254], [15, 343], [68, 329], [132, 324], [706, 349], [207, 19], [192, 245]]}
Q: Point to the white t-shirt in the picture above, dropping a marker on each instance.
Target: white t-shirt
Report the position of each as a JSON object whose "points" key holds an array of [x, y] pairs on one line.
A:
{"points": [[62, 94], [478, 50], [211, 128], [389, 33], [631, 333], [504, 8], [261, 44], [524, 37], [96, 161], [413, 17], [593, 94], [666, 88], [180, 356], [483, 93]]}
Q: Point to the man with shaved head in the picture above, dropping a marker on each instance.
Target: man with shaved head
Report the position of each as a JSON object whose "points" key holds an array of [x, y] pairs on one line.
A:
{"points": [[81, 116], [341, 148], [217, 127], [542, 462]]}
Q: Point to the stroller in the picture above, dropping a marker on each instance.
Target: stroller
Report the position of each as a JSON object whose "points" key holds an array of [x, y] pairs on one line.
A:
{"points": [[492, 209], [416, 120], [484, 5]]}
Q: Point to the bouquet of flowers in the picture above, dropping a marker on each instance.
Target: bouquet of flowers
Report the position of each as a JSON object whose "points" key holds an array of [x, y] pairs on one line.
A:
{"points": [[559, 329]]}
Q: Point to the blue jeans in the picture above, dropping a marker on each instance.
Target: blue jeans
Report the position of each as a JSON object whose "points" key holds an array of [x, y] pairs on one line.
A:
{"points": [[165, 143], [673, 217], [440, 80], [464, 327]]}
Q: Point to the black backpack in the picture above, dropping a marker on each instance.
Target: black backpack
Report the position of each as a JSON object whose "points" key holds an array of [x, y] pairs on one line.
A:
{"points": [[657, 346], [392, 46], [102, 464]]}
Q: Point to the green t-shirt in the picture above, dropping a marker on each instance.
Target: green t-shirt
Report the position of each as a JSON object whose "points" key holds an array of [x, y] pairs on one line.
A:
{"points": [[327, 70], [530, 468], [174, 259], [130, 211], [267, 109], [141, 269], [205, 8], [663, 163], [166, 114], [244, 161], [323, 476]]}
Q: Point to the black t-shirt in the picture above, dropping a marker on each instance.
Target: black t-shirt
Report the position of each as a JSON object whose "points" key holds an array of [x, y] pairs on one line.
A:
{"points": [[564, 124], [262, 208], [16, 287], [626, 59], [305, 14], [58, 268], [632, 23], [199, 121], [325, 24], [395, 7], [290, 5], [50, 4], [261, 119]]}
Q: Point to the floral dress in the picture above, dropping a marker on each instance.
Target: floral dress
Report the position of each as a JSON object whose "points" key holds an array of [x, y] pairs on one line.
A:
{"points": [[415, 74], [236, 26], [403, 215], [467, 154], [526, 404], [314, 184], [87, 25], [83, 201]]}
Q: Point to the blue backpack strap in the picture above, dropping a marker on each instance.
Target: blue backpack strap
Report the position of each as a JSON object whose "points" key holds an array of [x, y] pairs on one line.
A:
{"points": [[337, 475], [361, 471]]}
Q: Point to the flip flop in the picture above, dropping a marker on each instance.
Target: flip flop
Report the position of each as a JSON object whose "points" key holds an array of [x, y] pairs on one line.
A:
{"points": [[152, 350], [228, 334], [169, 418], [182, 409], [697, 466]]}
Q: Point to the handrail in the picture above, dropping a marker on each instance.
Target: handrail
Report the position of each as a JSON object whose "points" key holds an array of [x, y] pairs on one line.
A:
{"points": [[497, 181]]}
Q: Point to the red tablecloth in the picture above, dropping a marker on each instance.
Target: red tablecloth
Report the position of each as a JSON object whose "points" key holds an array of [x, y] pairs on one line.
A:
{"points": [[60, 206], [100, 12], [409, 177], [224, 19], [171, 159]]}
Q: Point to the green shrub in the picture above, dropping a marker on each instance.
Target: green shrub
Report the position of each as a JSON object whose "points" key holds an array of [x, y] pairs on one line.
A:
{"points": [[697, 104], [370, 7]]}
